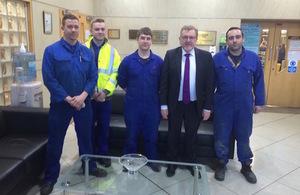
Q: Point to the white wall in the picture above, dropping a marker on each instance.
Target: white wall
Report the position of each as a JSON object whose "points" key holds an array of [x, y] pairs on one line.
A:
{"points": [[171, 15], [41, 40]]}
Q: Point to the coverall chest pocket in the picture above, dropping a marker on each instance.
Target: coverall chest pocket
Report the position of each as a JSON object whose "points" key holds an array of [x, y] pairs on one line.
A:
{"points": [[85, 63], [247, 74], [62, 64], [223, 73]]}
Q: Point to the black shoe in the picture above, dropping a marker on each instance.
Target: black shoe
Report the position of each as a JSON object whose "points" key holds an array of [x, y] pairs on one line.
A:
{"points": [[125, 170], [106, 162], [155, 167], [191, 169], [220, 171], [171, 170], [46, 188], [98, 172], [248, 173]]}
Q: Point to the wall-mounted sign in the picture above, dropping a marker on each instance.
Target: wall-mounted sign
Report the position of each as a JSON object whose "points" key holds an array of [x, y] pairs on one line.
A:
{"points": [[206, 38], [113, 33], [132, 34], [160, 37]]}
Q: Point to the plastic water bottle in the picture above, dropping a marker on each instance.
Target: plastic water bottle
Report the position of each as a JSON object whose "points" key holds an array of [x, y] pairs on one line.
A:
{"points": [[26, 61], [22, 95]]}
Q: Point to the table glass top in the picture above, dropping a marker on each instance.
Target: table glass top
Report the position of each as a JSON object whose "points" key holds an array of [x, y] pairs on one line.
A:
{"points": [[142, 182]]}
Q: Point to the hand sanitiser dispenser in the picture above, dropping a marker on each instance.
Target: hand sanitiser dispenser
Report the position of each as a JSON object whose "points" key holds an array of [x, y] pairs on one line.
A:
{"points": [[26, 91]]}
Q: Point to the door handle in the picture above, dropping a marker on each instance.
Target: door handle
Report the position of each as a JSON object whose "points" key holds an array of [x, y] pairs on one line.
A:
{"points": [[276, 51], [270, 53]]}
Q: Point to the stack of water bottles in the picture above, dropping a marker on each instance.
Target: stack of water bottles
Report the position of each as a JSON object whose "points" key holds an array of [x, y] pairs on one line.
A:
{"points": [[26, 91]]}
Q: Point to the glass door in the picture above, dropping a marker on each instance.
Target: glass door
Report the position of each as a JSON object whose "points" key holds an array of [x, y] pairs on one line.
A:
{"points": [[282, 86]]}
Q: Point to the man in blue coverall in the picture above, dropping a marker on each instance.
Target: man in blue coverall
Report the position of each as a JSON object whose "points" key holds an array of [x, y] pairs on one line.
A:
{"points": [[237, 72], [70, 74], [139, 75]]}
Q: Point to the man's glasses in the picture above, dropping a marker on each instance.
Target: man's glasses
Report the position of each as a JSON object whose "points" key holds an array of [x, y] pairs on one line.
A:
{"points": [[185, 38], [236, 37]]}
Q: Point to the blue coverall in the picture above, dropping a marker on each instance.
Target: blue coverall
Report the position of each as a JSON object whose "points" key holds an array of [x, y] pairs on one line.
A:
{"points": [[233, 101], [141, 104], [67, 70]]}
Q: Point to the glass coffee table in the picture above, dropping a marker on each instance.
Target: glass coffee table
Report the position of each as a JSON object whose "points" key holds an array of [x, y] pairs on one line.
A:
{"points": [[141, 182]]}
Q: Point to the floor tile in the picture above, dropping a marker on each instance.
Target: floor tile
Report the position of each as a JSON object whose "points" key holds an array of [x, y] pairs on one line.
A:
{"points": [[293, 141], [271, 167], [278, 189], [217, 189], [292, 180], [257, 142], [267, 117], [283, 152], [272, 132]]}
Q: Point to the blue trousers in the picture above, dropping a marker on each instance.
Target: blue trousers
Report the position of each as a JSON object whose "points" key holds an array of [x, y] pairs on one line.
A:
{"points": [[100, 134], [240, 122], [144, 118], [60, 115]]}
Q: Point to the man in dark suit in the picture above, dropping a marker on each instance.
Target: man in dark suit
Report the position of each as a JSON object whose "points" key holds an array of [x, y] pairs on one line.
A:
{"points": [[186, 93]]}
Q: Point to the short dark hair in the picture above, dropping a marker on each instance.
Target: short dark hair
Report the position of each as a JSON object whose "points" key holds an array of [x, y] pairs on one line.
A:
{"points": [[97, 20], [70, 17], [145, 31], [234, 28]]}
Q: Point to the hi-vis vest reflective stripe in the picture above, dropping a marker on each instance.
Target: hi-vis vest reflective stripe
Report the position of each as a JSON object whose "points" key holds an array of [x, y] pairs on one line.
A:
{"points": [[111, 63], [108, 63]]}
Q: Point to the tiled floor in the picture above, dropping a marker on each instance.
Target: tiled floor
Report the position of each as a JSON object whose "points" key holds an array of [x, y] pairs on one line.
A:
{"points": [[276, 146]]}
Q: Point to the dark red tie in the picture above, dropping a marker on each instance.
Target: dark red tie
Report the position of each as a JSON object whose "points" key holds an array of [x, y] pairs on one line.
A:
{"points": [[186, 81]]}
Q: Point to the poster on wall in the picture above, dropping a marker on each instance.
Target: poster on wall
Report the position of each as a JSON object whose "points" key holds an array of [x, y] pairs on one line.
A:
{"points": [[251, 34], [292, 67], [294, 54]]}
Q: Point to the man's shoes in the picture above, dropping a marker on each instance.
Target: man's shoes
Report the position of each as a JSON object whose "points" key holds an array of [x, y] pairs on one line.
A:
{"points": [[171, 170], [248, 173], [98, 172], [46, 188], [220, 171], [106, 162], [191, 169], [125, 170], [154, 166]]}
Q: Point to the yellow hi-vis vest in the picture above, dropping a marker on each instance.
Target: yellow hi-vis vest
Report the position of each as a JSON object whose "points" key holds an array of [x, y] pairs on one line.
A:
{"points": [[108, 65]]}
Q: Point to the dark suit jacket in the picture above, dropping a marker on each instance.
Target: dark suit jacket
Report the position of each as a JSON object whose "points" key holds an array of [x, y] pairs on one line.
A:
{"points": [[171, 76]]}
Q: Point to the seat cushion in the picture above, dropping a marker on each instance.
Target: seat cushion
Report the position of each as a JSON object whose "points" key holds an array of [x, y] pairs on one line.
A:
{"points": [[28, 147], [3, 128], [12, 171]]}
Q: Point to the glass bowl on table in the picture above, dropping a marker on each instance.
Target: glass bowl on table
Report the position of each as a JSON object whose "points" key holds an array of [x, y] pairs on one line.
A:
{"points": [[133, 162]]}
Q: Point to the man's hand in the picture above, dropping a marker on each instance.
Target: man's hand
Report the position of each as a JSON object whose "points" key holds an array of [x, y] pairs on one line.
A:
{"points": [[101, 97], [205, 115], [69, 99], [257, 109], [95, 96], [79, 100], [164, 113]]}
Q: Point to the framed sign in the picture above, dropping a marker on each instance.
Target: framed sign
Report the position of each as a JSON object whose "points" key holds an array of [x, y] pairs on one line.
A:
{"points": [[113, 33], [160, 37], [206, 38], [132, 34], [47, 20]]}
